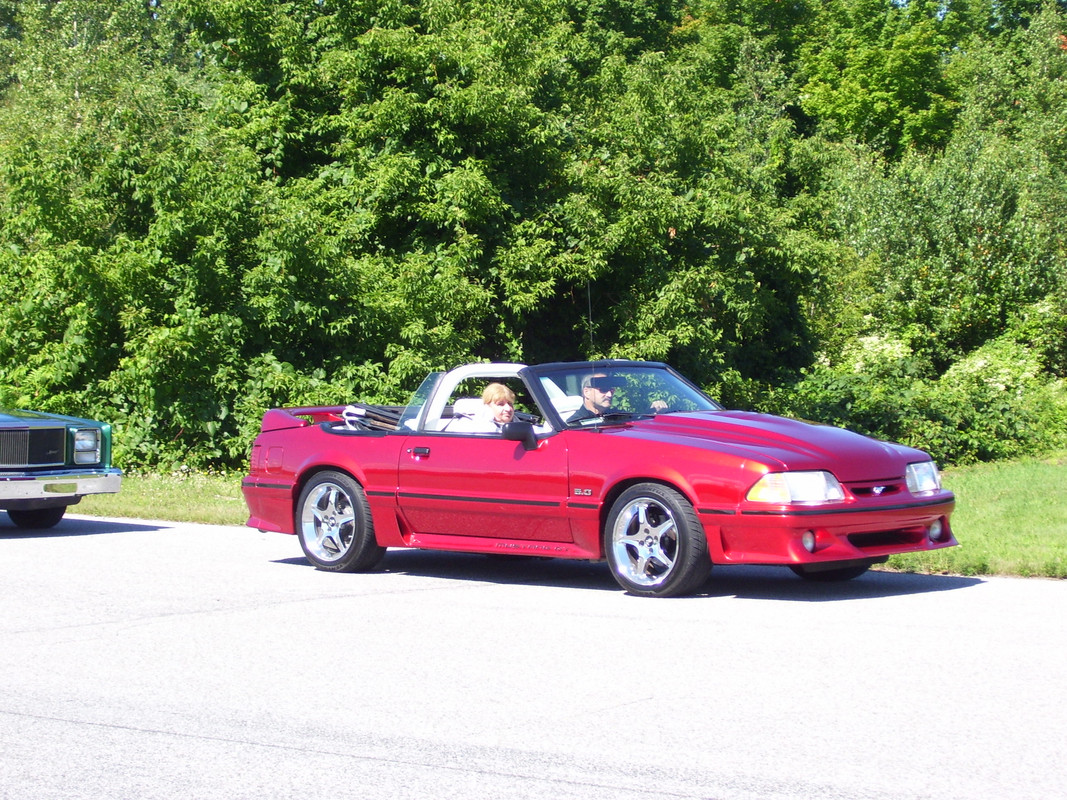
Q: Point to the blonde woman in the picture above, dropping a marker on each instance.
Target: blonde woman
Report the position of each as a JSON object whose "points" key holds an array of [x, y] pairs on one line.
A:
{"points": [[499, 403], [497, 407]]}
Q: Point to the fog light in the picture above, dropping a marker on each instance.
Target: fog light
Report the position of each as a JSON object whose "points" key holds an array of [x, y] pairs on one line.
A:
{"points": [[808, 540], [935, 530]]}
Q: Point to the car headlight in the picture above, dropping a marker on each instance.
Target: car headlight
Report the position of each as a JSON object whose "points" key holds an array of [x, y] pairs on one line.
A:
{"points": [[796, 487], [86, 446], [923, 478]]}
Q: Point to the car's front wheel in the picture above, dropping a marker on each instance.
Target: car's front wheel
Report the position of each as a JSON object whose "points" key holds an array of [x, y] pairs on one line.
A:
{"points": [[654, 542], [334, 524], [37, 518]]}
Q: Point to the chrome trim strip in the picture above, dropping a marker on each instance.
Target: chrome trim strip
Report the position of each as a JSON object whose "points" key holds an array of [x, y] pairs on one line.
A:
{"points": [[59, 483]]}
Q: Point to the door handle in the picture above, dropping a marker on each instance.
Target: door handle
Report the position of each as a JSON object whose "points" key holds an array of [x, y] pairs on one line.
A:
{"points": [[419, 452]]}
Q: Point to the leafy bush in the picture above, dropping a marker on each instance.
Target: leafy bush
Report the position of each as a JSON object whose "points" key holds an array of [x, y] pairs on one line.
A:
{"points": [[212, 207], [994, 404]]}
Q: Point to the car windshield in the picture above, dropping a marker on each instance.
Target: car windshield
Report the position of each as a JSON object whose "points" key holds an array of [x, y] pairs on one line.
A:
{"points": [[587, 394], [418, 400]]}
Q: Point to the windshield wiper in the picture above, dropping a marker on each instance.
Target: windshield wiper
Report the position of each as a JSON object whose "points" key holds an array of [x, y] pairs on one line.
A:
{"points": [[612, 416]]}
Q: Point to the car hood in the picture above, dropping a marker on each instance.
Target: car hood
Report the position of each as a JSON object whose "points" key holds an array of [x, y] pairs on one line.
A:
{"points": [[30, 419], [783, 443]]}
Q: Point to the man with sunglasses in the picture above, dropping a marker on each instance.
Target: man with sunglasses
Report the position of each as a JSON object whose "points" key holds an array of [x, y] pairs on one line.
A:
{"points": [[598, 393], [598, 390]]}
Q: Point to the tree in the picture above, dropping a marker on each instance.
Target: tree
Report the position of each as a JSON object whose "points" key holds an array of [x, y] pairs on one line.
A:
{"points": [[874, 72], [210, 208]]}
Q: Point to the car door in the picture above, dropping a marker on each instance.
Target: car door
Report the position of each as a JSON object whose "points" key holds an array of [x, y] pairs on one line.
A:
{"points": [[481, 485]]}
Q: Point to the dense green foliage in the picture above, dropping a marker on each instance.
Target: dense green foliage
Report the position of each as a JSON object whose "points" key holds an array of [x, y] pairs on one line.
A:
{"points": [[849, 210]]}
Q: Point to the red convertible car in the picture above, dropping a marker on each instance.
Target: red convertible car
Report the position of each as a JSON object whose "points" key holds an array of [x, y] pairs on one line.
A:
{"points": [[619, 460]]}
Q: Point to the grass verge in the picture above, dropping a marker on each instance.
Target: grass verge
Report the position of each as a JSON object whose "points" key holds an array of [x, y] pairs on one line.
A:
{"points": [[181, 496], [1011, 517]]}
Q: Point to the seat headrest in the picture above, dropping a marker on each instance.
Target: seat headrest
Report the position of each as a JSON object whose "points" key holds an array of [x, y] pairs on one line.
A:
{"points": [[467, 406]]}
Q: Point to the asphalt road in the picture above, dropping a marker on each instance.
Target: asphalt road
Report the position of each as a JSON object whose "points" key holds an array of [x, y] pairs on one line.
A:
{"points": [[156, 660]]}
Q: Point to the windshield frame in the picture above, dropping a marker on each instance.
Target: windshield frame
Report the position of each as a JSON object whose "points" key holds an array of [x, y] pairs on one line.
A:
{"points": [[413, 410], [556, 381]]}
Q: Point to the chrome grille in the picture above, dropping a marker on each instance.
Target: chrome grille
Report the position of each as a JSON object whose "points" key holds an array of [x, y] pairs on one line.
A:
{"points": [[33, 447]]}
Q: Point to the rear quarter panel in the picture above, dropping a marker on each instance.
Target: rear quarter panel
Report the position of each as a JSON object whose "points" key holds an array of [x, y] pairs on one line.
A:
{"points": [[283, 460]]}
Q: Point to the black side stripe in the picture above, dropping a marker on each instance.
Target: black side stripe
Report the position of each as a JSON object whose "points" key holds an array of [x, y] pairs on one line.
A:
{"points": [[254, 485], [499, 500]]}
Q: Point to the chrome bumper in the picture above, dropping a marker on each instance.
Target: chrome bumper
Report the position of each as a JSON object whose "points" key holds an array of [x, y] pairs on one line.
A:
{"points": [[57, 486]]}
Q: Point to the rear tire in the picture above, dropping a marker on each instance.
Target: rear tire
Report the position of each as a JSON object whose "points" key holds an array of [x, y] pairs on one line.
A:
{"points": [[655, 543], [37, 518], [334, 525]]}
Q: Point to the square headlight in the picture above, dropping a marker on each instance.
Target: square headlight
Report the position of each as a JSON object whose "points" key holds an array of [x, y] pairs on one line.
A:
{"points": [[923, 478], [796, 487], [86, 446]]}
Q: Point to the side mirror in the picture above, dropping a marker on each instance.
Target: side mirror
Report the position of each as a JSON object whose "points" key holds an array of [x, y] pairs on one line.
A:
{"points": [[520, 432]]}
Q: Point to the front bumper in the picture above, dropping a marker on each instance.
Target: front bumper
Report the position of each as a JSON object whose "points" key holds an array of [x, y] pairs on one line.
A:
{"points": [[55, 487], [864, 532]]}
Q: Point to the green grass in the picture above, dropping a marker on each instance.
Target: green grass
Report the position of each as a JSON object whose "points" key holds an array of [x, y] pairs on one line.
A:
{"points": [[1011, 517], [181, 496]]}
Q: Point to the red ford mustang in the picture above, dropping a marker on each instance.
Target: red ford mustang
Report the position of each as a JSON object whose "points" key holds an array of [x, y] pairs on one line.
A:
{"points": [[619, 460]]}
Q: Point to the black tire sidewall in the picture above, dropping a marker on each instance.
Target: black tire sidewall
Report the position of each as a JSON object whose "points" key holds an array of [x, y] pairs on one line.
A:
{"points": [[691, 563], [37, 518], [363, 552]]}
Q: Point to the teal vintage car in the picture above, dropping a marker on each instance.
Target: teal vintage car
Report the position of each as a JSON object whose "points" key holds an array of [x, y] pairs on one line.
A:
{"points": [[49, 462]]}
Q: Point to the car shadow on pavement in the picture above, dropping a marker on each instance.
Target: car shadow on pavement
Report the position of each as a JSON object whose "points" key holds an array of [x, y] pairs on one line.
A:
{"points": [[517, 570], [78, 526], [743, 582], [779, 583]]}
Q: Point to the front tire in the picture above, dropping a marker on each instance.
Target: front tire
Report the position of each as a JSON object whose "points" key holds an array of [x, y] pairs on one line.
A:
{"points": [[655, 543], [334, 525], [37, 518], [830, 575]]}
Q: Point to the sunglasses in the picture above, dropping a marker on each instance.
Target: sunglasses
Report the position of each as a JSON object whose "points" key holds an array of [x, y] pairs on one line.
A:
{"points": [[605, 384]]}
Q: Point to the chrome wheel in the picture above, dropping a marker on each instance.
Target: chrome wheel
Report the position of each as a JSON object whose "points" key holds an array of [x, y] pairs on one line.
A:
{"points": [[334, 524], [327, 522], [645, 541], [655, 543]]}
